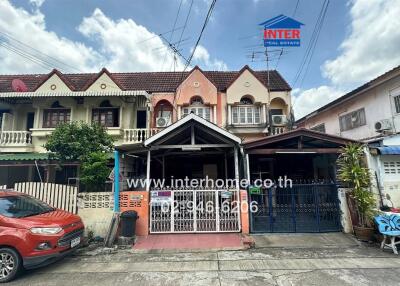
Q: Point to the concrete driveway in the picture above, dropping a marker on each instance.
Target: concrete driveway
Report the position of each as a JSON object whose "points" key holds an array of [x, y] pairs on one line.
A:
{"points": [[308, 260]]}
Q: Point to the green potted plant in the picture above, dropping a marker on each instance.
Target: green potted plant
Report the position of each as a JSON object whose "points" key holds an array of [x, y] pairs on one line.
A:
{"points": [[352, 170]]}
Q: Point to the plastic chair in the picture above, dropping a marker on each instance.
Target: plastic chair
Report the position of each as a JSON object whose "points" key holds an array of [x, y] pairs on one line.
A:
{"points": [[389, 226]]}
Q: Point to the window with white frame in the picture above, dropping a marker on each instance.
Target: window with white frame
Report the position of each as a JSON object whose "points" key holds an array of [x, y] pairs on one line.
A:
{"points": [[197, 107], [246, 112]]}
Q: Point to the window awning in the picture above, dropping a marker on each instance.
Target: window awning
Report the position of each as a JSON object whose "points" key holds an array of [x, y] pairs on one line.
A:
{"points": [[389, 150], [24, 157]]}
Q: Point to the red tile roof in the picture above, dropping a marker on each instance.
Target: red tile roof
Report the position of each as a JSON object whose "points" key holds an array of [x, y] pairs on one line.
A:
{"points": [[148, 81]]}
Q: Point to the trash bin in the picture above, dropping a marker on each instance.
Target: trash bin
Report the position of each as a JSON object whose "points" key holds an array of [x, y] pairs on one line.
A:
{"points": [[128, 223]]}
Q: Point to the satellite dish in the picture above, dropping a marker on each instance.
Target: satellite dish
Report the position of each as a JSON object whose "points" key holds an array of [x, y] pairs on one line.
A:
{"points": [[18, 85]]}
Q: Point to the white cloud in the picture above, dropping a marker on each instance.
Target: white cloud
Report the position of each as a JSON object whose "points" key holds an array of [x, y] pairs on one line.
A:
{"points": [[202, 58], [125, 44], [119, 45], [305, 101], [371, 48], [31, 29]]}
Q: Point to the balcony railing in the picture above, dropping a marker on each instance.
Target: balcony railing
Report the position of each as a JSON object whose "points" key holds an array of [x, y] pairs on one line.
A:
{"points": [[15, 138], [138, 135], [275, 130]]}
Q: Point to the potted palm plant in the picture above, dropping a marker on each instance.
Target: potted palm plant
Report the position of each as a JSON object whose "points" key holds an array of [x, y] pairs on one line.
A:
{"points": [[353, 172]]}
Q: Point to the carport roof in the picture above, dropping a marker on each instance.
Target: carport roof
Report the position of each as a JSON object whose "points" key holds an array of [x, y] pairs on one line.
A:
{"points": [[299, 140], [186, 120]]}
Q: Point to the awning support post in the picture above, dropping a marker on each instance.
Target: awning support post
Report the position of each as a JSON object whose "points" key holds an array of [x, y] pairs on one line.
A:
{"points": [[116, 182], [236, 163], [148, 170]]}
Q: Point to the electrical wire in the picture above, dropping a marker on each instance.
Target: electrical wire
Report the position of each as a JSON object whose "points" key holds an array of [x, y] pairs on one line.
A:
{"points": [[312, 42], [209, 13], [172, 34], [27, 49], [314, 45], [282, 50], [186, 22]]}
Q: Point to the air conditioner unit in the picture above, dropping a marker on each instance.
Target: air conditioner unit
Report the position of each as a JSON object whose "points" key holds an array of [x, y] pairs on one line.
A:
{"points": [[383, 125], [279, 120], [163, 121]]}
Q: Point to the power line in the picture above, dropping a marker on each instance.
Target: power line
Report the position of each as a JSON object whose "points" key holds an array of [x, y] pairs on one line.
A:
{"points": [[294, 13], [40, 55], [172, 34], [295, 8], [186, 22], [312, 42], [210, 10], [315, 43], [209, 13], [46, 67]]}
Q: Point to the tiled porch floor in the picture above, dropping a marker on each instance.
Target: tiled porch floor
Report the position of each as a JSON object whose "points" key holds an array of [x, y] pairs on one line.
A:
{"points": [[189, 241]]}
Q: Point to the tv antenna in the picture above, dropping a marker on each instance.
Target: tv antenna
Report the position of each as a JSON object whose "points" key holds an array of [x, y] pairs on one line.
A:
{"points": [[176, 52]]}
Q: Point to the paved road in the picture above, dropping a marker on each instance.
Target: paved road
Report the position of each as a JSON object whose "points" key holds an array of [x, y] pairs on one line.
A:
{"points": [[331, 265]]}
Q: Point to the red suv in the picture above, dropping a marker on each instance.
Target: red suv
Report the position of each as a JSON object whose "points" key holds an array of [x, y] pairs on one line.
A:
{"points": [[33, 234]]}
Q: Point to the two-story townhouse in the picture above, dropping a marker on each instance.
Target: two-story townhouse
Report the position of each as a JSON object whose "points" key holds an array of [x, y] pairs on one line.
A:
{"points": [[132, 107], [248, 103], [370, 113]]}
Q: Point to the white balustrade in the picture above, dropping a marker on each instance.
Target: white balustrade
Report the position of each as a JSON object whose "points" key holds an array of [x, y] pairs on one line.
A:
{"points": [[138, 135], [15, 138], [275, 130]]}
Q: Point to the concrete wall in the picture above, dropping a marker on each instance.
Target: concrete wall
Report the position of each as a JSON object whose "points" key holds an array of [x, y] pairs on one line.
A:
{"points": [[54, 83], [378, 103], [196, 84], [247, 84], [96, 220]]}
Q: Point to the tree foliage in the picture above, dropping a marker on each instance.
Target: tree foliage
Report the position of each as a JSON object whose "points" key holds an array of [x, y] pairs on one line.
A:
{"points": [[353, 171], [94, 170], [87, 143], [76, 140]]}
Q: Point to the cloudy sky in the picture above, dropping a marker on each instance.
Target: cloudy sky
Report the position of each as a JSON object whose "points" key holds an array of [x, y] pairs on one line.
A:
{"points": [[359, 40]]}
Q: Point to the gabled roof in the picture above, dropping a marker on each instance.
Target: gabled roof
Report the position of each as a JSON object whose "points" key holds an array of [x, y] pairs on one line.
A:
{"points": [[103, 71], [202, 72], [356, 92], [148, 81], [194, 118], [60, 75], [300, 132], [246, 67], [282, 22]]}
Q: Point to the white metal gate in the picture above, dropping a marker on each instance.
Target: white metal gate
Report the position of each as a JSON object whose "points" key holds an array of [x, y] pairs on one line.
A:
{"points": [[182, 211]]}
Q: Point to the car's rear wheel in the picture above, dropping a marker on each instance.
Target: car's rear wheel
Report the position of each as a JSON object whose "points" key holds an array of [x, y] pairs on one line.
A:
{"points": [[10, 264]]}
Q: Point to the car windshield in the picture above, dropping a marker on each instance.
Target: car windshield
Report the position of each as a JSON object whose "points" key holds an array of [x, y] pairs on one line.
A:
{"points": [[22, 206]]}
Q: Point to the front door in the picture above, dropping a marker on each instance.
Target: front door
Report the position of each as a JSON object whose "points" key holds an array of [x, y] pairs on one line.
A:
{"points": [[141, 120]]}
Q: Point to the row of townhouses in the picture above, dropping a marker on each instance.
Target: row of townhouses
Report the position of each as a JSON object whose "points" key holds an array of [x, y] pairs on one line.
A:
{"points": [[132, 107], [197, 124]]}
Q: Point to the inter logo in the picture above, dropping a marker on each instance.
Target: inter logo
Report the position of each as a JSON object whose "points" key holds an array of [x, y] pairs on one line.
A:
{"points": [[281, 31]]}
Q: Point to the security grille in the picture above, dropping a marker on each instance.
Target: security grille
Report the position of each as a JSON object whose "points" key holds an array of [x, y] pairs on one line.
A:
{"points": [[182, 211], [302, 208]]}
